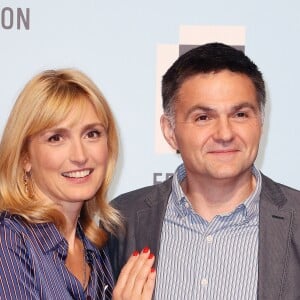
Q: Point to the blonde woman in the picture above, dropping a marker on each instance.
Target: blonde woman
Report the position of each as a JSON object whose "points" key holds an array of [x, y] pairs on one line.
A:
{"points": [[57, 156]]}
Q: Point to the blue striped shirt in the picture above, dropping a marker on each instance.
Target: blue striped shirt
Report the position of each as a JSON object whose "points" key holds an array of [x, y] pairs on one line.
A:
{"points": [[208, 260], [32, 264]]}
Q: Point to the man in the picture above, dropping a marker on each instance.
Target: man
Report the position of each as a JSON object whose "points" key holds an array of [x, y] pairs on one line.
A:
{"points": [[219, 228]]}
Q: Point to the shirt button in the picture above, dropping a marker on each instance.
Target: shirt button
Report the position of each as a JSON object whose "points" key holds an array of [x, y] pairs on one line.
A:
{"points": [[209, 238], [204, 282]]}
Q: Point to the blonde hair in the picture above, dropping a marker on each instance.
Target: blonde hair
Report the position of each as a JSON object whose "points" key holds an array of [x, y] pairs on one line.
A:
{"points": [[45, 101]]}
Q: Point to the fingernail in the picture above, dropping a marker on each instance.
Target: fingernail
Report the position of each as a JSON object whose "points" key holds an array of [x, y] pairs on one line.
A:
{"points": [[150, 255], [152, 270], [135, 253], [145, 250]]}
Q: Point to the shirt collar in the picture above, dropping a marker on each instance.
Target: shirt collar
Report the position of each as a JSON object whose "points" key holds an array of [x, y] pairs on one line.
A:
{"points": [[252, 202], [183, 207], [50, 238], [88, 245]]}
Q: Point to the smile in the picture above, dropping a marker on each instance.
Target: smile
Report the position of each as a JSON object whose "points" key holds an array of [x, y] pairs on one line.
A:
{"points": [[223, 151], [77, 174]]}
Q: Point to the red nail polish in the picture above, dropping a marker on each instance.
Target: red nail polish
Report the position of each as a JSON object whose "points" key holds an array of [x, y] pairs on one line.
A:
{"points": [[145, 250], [152, 270], [135, 253], [150, 255]]}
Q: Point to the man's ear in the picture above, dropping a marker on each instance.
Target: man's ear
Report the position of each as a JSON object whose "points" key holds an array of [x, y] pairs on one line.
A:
{"points": [[168, 131]]}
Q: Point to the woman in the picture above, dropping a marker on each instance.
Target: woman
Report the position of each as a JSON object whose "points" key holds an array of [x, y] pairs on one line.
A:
{"points": [[58, 153]]}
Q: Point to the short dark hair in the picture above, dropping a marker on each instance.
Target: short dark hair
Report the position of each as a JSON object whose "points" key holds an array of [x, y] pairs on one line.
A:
{"points": [[212, 57]]}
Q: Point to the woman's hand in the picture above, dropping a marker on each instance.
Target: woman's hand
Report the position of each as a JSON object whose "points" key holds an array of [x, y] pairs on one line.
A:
{"points": [[137, 278]]}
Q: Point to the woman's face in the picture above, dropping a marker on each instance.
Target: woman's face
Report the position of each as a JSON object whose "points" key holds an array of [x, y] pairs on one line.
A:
{"points": [[68, 162]]}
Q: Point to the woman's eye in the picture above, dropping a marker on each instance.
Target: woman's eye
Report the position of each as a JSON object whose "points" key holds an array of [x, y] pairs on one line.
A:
{"points": [[54, 138], [93, 134]]}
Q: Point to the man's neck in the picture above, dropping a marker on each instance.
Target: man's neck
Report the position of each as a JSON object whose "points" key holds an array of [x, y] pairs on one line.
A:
{"points": [[213, 197]]}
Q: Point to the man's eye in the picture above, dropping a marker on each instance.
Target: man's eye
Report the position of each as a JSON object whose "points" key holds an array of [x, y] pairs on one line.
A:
{"points": [[202, 118], [241, 114], [54, 138]]}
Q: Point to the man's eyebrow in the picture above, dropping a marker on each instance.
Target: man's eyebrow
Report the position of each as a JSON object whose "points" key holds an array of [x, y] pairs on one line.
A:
{"points": [[245, 105], [199, 107], [211, 109]]}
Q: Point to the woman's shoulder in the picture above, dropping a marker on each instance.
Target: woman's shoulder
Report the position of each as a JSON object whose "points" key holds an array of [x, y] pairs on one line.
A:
{"points": [[37, 233], [12, 222], [12, 231], [15, 231], [15, 227]]}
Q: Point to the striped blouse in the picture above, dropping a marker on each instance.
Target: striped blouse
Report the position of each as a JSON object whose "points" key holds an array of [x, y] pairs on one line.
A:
{"points": [[32, 264]]}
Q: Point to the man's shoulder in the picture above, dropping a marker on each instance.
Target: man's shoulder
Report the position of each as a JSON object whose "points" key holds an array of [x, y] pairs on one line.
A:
{"points": [[140, 195], [291, 194]]}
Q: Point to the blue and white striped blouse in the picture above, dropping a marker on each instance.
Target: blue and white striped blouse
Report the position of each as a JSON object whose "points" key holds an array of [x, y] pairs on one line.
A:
{"points": [[32, 264]]}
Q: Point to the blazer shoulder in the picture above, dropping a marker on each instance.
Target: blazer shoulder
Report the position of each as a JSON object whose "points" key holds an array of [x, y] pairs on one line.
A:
{"points": [[136, 198], [291, 195]]}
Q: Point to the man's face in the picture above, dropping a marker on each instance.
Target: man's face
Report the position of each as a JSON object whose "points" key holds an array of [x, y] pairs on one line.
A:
{"points": [[218, 125]]}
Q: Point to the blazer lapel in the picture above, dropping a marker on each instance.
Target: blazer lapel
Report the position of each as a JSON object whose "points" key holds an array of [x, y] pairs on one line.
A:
{"points": [[275, 225]]}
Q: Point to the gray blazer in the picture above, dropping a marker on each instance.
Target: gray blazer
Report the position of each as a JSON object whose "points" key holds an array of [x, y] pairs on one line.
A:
{"points": [[279, 234]]}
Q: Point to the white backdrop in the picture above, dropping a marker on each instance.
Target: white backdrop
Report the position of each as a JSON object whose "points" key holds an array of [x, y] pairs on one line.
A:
{"points": [[116, 42]]}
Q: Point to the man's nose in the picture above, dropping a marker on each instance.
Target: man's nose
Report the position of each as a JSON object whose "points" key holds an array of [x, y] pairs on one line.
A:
{"points": [[223, 131]]}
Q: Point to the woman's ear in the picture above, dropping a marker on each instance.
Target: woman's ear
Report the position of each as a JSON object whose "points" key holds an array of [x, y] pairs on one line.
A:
{"points": [[26, 163]]}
